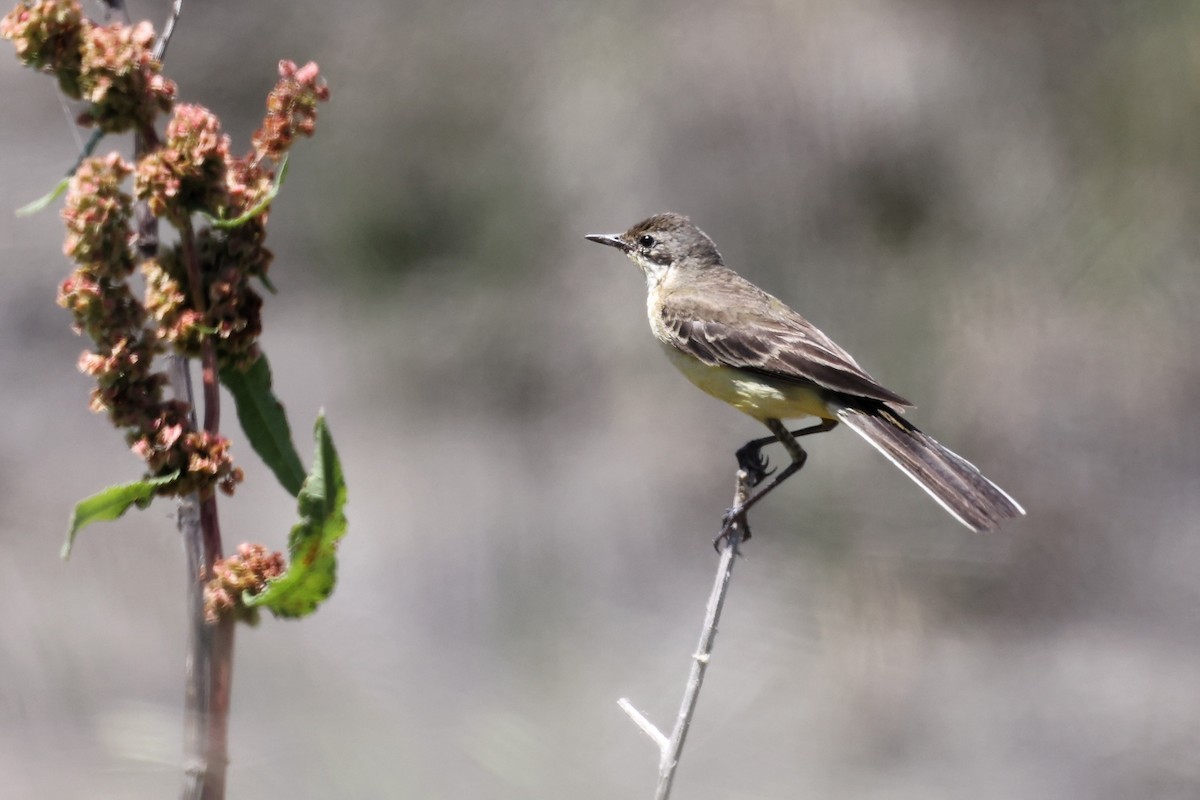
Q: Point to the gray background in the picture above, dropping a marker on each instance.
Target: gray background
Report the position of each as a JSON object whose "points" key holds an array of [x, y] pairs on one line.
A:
{"points": [[993, 205]]}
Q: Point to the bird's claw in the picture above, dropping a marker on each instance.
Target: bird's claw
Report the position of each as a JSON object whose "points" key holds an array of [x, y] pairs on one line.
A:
{"points": [[727, 522], [755, 464]]}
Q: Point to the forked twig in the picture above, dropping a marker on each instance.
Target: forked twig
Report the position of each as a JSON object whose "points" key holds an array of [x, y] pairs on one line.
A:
{"points": [[671, 749]]}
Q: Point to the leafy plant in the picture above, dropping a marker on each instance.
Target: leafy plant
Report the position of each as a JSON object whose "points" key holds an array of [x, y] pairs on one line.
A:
{"points": [[201, 303]]}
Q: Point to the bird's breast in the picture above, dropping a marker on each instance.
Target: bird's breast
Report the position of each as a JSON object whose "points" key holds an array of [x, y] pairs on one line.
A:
{"points": [[751, 393]]}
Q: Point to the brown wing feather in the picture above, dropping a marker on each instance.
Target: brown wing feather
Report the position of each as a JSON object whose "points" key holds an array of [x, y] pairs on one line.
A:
{"points": [[753, 331]]}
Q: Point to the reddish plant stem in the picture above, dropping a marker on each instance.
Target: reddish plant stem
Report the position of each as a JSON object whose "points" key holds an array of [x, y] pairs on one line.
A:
{"points": [[209, 669], [210, 660], [210, 377], [218, 718], [212, 396]]}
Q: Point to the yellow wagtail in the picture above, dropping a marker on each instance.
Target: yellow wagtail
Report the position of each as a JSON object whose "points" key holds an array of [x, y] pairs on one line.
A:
{"points": [[741, 345]]}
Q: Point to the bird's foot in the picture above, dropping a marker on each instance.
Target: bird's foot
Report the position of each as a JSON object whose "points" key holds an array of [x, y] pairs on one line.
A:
{"points": [[754, 463], [731, 517]]}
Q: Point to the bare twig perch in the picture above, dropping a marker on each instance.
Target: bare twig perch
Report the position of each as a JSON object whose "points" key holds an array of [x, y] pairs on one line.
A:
{"points": [[670, 749]]}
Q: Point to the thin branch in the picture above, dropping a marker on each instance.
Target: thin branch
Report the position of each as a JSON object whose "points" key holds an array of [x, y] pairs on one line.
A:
{"points": [[160, 47], [209, 377], [207, 667], [210, 647], [209, 662], [198, 663], [646, 725], [671, 750], [210, 657]]}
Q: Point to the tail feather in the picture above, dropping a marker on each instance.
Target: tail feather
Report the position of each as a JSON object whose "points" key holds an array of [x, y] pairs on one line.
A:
{"points": [[955, 483]]}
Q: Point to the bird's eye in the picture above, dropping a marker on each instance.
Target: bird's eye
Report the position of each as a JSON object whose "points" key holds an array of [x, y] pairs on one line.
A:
{"points": [[646, 241]]}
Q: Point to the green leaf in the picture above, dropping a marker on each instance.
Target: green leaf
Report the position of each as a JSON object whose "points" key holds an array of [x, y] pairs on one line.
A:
{"points": [[260, 207], [312, 545], [267, 283], [111, 503], [29, 209], [265, 423]]}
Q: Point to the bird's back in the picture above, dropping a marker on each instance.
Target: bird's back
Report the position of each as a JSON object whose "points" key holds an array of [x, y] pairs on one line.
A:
{"points": [[720, 318]]}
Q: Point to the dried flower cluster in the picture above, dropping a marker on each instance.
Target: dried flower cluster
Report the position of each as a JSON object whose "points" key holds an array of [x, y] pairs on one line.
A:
{"points": [[291, 109], [186, 174], [112, 67], [247, 572], [194, 172], [97, 214], [198, 292]]}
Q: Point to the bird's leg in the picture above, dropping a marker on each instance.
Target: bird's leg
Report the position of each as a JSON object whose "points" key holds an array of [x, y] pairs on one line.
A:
{"points": [[750, 458]]}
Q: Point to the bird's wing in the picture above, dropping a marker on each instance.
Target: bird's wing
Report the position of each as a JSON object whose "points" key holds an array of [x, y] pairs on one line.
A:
{"points": [[754, 331]]}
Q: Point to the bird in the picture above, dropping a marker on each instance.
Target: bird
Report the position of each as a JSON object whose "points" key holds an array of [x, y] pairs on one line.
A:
{"points": [[747, 348]]}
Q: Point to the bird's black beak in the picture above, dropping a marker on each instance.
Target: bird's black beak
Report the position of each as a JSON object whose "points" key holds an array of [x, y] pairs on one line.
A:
{"points": [[610, 239]]}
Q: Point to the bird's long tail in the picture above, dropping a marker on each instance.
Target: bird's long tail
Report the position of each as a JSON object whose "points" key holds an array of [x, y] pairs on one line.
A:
{"points": [[957, 485]]}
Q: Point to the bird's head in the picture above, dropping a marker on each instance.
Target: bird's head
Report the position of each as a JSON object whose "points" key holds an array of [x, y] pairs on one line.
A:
{"points": [[662, 244]]}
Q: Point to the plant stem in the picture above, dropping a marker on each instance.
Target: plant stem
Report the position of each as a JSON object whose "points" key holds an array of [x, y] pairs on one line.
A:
{"points": [[209, 661], [209, 665], [208, 352], [671, 749], [210, 645], [160, 47]]}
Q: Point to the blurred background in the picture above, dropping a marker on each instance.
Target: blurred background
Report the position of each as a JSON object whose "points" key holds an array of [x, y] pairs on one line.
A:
{"points": [[992, 205]]}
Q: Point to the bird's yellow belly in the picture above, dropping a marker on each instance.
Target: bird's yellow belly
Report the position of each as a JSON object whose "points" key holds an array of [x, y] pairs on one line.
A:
{"points": [[756, 395]]}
